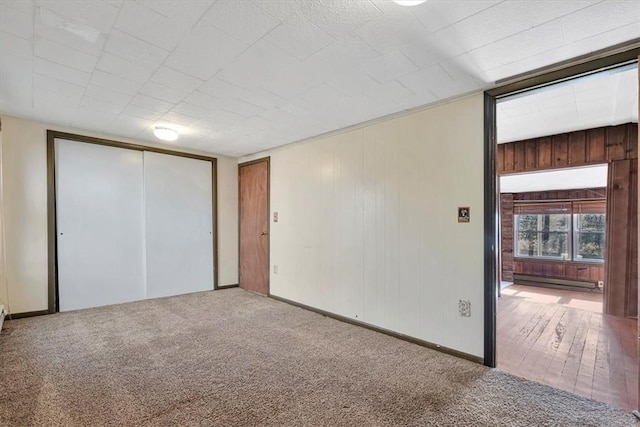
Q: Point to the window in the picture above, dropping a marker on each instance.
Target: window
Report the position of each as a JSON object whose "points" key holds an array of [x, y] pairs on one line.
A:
{"points": [[562, 231]]}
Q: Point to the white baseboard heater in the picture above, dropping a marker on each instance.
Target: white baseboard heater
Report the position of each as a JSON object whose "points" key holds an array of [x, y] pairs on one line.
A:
{"points": [[523, 279], [2, 314]]}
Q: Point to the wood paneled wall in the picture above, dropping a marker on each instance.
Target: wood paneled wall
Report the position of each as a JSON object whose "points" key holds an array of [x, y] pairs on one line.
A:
{"points": [[582, 194], [621, 290], [580, 148], [506, 236], [561, 270], [545, 268]]}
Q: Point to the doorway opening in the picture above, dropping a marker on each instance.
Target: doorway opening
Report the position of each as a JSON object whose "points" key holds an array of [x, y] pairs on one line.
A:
{"points": [[566, 235]]}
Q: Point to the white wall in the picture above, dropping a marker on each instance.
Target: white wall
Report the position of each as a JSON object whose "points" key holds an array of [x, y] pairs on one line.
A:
{"points": [[24, 156], [368, 223]]}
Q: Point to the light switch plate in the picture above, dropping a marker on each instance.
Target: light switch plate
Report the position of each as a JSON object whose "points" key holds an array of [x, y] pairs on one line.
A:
{"points": [[275, 217]]}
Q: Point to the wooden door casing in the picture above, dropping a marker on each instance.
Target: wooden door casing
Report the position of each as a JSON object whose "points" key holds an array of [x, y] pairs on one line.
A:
{"points": [[254, 226]]}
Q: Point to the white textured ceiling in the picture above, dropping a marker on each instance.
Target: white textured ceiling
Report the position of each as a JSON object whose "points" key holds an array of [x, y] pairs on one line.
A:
{"points": [[564, 179], [237, 77], [603, 99]]}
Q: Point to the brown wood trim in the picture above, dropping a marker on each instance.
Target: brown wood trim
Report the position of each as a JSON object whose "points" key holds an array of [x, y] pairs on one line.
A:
{"points": [[403, 337], [127, 145], [9, 317], [628, 52], [214, 202], [249, 163], [52, 242], [235, 285], [53, 303]]}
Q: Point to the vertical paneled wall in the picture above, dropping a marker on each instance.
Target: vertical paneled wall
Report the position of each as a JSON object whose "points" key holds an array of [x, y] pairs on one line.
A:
{"points": [[506, 236], [368, 224], [579, 148], [621, 272]]}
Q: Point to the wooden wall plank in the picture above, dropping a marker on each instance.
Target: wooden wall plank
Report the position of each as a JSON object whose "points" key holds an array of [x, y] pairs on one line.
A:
{"points": [[617, 142], [509, 157], [530, 155], [596, 145], [560, 150], [506, 236], [584, 147], [544, 153], [616, 268], [633, 141], [631, 293], [520, 162], [578, 148]]}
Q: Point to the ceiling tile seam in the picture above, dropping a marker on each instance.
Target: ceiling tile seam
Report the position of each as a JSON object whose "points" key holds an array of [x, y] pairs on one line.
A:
{"points": [[33, 55], [376, 6], [310, 24], [162, 64], [459, 20], [249, 46], [559, 47], [405, 86], [75, 114], [116, 76], [531, 28]]}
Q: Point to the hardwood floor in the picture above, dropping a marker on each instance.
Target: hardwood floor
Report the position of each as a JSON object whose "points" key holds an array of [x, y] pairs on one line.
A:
{"points": [[558, 338]]}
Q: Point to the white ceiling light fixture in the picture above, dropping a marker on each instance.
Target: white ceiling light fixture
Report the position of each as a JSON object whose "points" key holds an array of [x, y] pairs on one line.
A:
{"points": [[409, 2], [165, 134]]}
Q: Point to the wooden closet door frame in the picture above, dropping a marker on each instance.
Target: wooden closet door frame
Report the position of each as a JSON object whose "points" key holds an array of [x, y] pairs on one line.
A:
{"points": [[240, 166], [52, 234]]}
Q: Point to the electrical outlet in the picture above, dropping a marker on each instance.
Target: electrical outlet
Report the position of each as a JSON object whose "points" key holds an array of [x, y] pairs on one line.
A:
{"points": [[275, 217], [275, 268], [464, 307]]}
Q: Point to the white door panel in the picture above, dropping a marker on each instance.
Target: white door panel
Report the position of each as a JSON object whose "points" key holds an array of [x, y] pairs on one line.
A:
{"points": [[179, 224], [100, 228]]}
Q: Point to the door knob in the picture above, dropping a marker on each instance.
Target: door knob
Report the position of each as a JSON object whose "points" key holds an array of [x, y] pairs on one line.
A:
{"points": [[264, 233]]}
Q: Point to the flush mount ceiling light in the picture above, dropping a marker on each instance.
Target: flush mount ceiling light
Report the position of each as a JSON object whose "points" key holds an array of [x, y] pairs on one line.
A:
{"points": [[165, 134], [409, 2]]}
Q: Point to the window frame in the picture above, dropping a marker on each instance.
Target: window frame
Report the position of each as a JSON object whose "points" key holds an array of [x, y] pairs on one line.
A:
{"points": [[576, 232], [572, 236], [568, 232]]}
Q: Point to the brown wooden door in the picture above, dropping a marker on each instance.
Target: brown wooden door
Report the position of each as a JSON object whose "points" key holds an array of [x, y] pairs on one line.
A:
{"points": [[254, 226]]}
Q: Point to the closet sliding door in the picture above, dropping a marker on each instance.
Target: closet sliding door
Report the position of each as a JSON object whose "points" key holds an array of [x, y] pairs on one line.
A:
{"points": [[100, 228], [179, 224]]}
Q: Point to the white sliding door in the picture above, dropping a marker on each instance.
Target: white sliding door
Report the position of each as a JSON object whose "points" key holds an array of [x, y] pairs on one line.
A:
{"points": [[99, 203], [179, 224]]}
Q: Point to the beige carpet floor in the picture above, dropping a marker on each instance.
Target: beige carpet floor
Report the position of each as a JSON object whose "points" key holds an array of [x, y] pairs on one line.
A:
{"points": [[232, 358]]}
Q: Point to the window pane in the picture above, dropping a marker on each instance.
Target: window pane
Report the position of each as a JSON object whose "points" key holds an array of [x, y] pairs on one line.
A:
{"points": [[590, 237], [527, 244], [543, 235], [554, 244], [590, 245], [527, 222], [555, 222], [591, 222]]}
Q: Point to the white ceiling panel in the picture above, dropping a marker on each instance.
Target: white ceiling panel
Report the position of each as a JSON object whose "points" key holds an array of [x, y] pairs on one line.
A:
{"points": [[298, 37], [239, 76], [224, 13], [603, 99]]}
